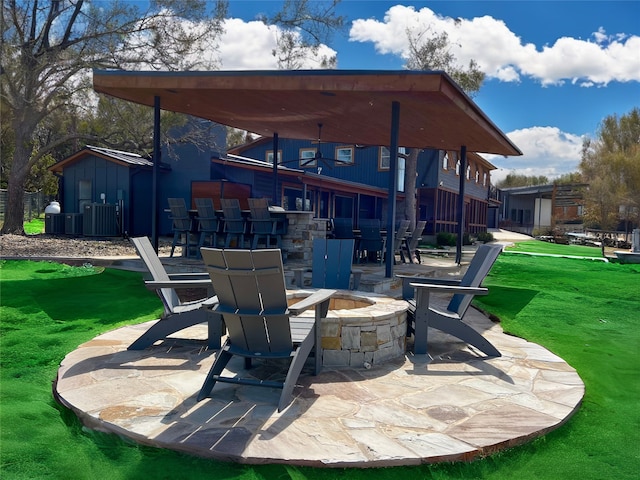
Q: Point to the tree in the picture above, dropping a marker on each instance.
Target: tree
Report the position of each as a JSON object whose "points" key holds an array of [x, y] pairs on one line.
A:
{"points": [[305, 25], [610, 165], [432, 51], [517, 180], [49, 46]]}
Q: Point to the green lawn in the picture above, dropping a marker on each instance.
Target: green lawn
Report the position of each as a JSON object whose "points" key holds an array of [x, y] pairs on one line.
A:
{"points": [[35, 226], [586, 312]]}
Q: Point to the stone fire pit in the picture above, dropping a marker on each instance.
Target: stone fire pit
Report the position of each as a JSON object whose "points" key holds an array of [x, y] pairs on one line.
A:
{"points": [[361, 329]]}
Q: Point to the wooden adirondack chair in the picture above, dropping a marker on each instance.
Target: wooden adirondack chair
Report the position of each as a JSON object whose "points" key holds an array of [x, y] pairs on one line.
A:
{"points": [[264, 226], [208, 224], [177, 315], [253, 303], [332, 265], [422, 315], [234, 224], [371, 241], [181, 225], [343, 228], [410, 245], [398, 239]]}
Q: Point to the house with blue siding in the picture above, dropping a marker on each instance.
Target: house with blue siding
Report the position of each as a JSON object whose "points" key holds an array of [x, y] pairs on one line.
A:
{"points": [[352, 181], [118, 185]]}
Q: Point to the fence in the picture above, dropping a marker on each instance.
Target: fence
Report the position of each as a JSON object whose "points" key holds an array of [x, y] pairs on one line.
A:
{"points": [[34, 203]]}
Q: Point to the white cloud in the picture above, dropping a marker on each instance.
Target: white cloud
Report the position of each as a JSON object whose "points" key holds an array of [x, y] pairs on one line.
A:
{"points": [[250, 45], [546, 151], [501, 54]]}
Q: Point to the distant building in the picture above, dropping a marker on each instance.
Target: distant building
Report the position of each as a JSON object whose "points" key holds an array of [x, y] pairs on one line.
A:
{"points": [[542, 209]]}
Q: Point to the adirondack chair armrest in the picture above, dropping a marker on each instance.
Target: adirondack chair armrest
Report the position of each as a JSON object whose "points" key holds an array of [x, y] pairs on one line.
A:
{"points": [[312, 300], [451, 289], [210, 302], [407, 289], [178, 284], [190, 276]]}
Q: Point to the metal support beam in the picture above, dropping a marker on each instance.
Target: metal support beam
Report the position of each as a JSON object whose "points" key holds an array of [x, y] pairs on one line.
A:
{"points": [[393, 186], [460, 215], [274, 198], [157, 157]]}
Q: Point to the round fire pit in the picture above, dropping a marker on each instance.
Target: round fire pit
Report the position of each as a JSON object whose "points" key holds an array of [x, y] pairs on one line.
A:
{"points": [[360, 329]]}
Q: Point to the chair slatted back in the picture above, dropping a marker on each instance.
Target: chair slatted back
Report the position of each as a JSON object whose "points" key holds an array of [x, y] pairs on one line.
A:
{"points": [[179, 214], [370, 234], [261, 220], [233, 221], [158, 273], [416, 235], [343, 228], [207, 217], [252, 297], [401, 232], [478, 269], [332, 260]]}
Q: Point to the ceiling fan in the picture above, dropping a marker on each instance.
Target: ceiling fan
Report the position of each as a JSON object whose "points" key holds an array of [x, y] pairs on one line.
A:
{"points": [[306, 161]]}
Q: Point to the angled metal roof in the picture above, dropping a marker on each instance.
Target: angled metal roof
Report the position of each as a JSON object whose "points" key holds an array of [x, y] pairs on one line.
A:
{"points": [[352, 106], [116, 156]]}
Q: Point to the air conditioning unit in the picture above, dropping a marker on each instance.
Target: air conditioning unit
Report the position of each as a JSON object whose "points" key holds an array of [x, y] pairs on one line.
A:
{"points": [[100, 220], [54, 223], [73, 223]]}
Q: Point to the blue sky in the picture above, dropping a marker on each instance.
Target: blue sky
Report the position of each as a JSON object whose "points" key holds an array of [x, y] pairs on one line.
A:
{"points": [[554, 69]]}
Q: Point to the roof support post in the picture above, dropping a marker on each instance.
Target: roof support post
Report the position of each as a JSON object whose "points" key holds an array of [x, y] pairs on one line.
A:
{"points": [[275, 170], [460, 215], [393, 186], [157, 156]]}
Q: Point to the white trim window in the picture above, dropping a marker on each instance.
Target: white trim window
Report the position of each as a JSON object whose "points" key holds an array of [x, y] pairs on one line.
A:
{"points": [[384, 159], [344, 155], [269, 156], [310, 154]]}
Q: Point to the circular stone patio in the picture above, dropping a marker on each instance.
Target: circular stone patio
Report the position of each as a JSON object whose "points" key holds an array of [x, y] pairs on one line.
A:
{"points": [[450, 406]]}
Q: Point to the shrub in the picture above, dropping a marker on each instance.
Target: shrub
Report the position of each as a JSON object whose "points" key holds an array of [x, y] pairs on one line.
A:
{"points": [[446, 239], [485, 237]]}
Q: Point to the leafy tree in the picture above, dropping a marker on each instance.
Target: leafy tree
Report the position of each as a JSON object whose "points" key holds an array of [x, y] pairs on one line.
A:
{"points": [[517, 180], [610, 164], [568, 178], [305, 25], [48, 47], [432, 51]]}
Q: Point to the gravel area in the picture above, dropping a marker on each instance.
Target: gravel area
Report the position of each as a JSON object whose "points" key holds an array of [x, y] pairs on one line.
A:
{"points": [[44, 245]]}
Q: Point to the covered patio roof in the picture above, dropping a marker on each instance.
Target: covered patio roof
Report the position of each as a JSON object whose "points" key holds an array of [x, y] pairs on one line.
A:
{"points": [[352, 106]]}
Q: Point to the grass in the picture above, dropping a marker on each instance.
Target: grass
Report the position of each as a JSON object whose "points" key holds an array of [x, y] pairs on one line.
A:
{"points": [[535, 246], [35, 226], [586, 312]]}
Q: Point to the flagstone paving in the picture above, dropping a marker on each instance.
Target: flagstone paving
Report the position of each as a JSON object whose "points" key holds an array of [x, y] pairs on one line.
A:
{"points": [[450, 405]]}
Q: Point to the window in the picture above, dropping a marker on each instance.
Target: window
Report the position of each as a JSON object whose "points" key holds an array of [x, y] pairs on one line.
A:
{"points": [[458, 167], [484, 179], [477, 176], [269, 158], [468, 172], [401, 169], [384, 159], [344, 154], [84, 194], [309, 153], [445, 161]]}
